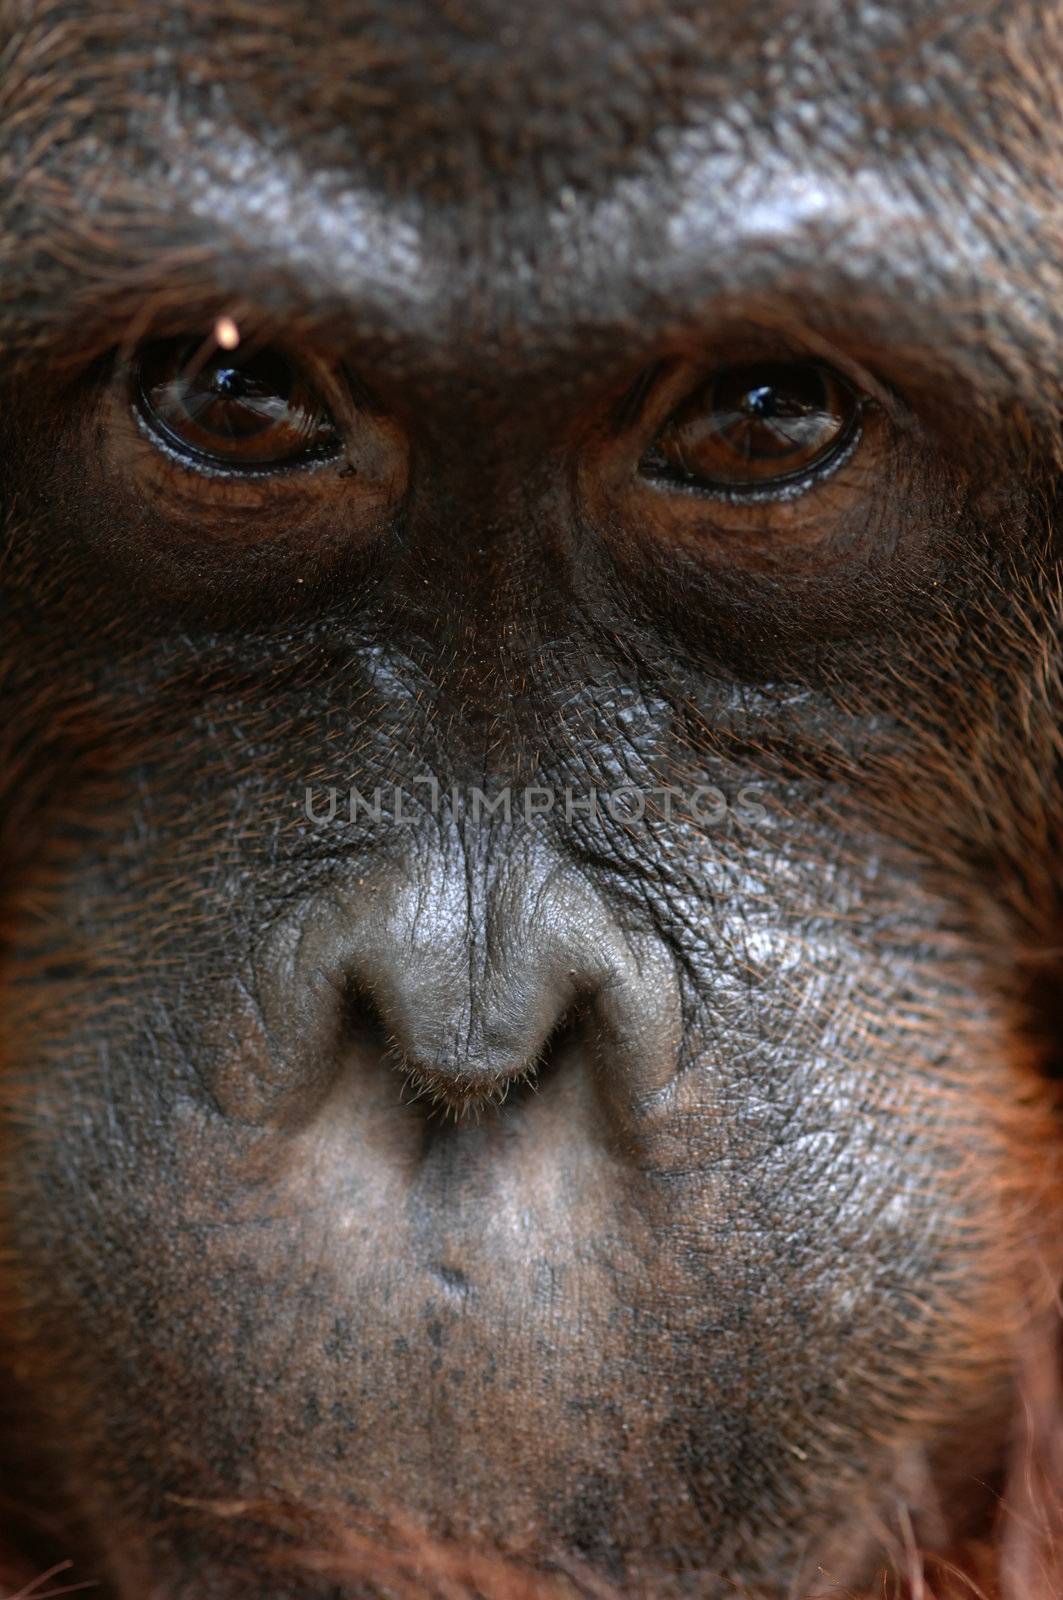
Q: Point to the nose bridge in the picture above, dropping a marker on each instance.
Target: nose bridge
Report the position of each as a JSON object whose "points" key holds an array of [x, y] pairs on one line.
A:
{"points": [[490, 460], [482, 606]]}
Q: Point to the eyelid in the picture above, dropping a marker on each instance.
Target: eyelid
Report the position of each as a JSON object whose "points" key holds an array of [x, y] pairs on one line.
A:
{"points": [[204, 466], [766, 341], [868, 387]]}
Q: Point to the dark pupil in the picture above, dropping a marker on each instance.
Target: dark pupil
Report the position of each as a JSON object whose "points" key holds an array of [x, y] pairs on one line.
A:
{"points": [[231, 383], [772, 412], [237, 402], [761, 402]]}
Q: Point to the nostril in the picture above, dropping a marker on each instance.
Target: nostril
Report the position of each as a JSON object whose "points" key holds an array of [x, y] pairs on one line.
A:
{"points": [[361, 1020], [366, 1027], [570, 1032], [463, 990]]}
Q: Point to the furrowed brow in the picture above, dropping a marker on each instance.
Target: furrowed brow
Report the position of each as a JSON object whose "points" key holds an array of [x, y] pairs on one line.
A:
{"points": [[101, 245]]}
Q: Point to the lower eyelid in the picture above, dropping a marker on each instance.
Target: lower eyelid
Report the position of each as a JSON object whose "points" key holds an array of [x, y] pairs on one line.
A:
{"points": [[783, 487], [202, 464]]}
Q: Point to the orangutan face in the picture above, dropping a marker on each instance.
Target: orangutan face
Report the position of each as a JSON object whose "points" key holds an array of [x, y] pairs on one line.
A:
{"points": [[530, 782]]}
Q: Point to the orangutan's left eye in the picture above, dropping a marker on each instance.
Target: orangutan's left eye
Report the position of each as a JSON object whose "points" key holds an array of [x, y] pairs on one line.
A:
{"points": [[757, 428], [253, 413]]}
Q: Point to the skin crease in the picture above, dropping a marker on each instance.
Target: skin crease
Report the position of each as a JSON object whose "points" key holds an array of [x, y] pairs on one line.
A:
{"points": [[661, 1205]]}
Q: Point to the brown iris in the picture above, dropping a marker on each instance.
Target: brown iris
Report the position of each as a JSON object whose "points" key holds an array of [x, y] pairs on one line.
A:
{"points": [[756, 427], [243, 412]]}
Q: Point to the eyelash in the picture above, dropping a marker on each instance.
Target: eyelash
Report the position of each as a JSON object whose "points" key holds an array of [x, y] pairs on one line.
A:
{"points": [[187, 460]]}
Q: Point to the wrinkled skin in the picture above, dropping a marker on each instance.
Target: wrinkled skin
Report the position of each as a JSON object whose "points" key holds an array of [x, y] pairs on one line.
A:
{"points": [[673, 1198]]}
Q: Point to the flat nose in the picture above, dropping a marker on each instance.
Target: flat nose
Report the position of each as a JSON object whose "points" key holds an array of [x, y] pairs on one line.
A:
{"points": [[471, 982]]}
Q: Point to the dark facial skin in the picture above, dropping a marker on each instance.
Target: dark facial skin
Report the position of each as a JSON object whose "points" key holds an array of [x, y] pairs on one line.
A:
{"points": [[672, 1197]]}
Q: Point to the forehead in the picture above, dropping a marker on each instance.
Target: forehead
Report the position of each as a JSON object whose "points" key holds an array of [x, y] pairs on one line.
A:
{"points": [[452, 98], [427, 167]]}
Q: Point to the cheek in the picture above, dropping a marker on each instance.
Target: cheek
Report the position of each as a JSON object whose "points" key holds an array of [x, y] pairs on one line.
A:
{"points": [[806, 1258]]}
